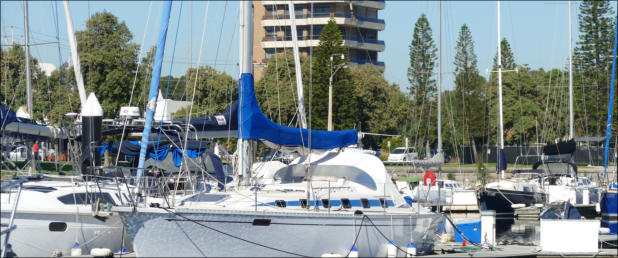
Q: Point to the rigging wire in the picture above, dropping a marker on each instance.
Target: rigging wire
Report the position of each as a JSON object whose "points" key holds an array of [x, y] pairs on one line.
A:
{"points": [[216, 57], [167, 88], [139, 63]]}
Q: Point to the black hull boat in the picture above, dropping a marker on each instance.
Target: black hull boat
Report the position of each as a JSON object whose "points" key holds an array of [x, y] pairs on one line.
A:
{"points": [[501, 200]]}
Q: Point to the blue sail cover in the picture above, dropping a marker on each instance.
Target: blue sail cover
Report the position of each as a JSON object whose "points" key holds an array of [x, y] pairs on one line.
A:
{"points": [[228, 120], [254, 125]]}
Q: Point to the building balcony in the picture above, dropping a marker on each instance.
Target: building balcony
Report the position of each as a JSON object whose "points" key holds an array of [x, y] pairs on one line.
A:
{"points": [[322, 19], [307, 41], [362, 62], [377, 4]]}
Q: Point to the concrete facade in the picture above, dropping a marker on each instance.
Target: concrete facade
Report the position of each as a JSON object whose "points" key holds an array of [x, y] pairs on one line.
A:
{"points": [[358, 21]]}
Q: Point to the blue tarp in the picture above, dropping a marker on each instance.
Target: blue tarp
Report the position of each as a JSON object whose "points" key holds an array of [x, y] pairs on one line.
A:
{"points": [[256, 126], [191, 153], [194, 149]]}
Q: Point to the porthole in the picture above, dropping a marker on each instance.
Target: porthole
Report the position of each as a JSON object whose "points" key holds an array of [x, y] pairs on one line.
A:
{"points": [[57, 226]]}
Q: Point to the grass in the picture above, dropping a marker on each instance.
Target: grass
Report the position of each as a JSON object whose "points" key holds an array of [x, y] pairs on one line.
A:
{"points": [[46, 167]]}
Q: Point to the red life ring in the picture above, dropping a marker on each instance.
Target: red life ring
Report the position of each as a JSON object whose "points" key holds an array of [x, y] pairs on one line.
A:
{"points": [[431, 176]]}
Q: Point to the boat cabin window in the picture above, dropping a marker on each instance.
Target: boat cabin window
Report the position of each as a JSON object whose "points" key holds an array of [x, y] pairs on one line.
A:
{"points": [[383, 203], [345, 203], [304, 203], [280, 203], [365, 203], [83, 198], [326, 203]]}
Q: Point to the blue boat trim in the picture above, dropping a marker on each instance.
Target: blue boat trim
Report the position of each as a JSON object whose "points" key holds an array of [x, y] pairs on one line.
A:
{"points": [[334, 203]]}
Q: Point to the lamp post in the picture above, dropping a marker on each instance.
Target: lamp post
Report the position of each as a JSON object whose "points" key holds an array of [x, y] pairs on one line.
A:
{"points": [[330, 89]]}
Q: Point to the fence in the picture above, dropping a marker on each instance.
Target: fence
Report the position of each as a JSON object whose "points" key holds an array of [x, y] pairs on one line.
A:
{"points": [[590, 155]]}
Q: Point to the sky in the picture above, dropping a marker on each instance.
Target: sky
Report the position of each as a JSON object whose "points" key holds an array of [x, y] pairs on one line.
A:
{"points": [[538, 31]]}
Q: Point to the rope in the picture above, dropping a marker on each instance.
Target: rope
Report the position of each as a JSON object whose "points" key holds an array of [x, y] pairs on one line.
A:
{"points": [[232, 236]]}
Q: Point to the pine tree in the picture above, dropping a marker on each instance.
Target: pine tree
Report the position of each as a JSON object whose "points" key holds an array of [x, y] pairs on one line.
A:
{"points": [[593, 63], [344, 117], [468, 87], [422, 85]]}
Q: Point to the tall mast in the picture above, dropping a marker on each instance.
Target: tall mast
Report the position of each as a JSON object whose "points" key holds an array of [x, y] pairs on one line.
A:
{"points": [[74, 54], [32, 167], [299, 81], [246, 67], [501, 129], [27, 56], [440, 80], [571, 126], [154, 87]]}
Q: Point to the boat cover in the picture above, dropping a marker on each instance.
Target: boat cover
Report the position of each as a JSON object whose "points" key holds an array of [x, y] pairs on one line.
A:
{"points": [[228, 120], [567, 147], [194, 149], [256, 126]]}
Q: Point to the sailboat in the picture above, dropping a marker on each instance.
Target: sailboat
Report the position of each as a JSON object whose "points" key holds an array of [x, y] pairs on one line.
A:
{"points": [[328, 203], [54, 215], [552, 179], [439, 193]]}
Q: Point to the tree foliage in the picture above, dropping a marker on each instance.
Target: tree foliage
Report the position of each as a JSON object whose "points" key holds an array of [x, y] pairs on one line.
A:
{"points": [[592, 65], [276, 91], [108, 59], [422, 84], [469, 97], [331, 45]]}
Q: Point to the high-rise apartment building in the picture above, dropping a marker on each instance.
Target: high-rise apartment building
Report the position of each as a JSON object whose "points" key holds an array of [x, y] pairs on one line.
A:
{"points": [[357, 20]]}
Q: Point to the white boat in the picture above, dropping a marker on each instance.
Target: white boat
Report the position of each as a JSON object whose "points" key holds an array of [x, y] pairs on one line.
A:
{"points": [[53, 216], [323, 203], [448, 194], [349, 205]]}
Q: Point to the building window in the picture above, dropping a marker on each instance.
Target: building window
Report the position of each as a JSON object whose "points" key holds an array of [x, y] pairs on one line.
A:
{"points": [[321, 10], [269, 52], [270, 32]]}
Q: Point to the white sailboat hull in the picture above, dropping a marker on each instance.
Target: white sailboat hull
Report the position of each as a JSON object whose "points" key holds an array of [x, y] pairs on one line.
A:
{"points": [[33, 237], [157, 232]]}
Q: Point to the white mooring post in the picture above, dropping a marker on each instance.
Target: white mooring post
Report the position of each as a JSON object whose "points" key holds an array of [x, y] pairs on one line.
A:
{"points": [[488, 227]]}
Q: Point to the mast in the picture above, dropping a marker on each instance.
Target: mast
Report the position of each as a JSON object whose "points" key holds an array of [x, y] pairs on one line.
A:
{"points": [[501, 129], [299, 81], [610, 105], [75, 55], [246, 67], [154, 88], [571, 126], [440, 80], [32, 167]]}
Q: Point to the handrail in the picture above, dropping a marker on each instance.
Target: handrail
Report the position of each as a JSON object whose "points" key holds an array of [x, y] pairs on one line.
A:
{"points": [[11, 184], [12, 218]]}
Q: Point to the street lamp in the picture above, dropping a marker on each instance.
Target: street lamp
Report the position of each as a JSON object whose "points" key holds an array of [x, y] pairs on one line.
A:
{"points": [[330, 89]]}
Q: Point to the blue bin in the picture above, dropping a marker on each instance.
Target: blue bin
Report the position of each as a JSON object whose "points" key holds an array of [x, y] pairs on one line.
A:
{"points": [[471, 229]]}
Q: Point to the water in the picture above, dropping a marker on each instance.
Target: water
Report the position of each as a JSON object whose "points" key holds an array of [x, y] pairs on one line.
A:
{"points": [[511, 231]]}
